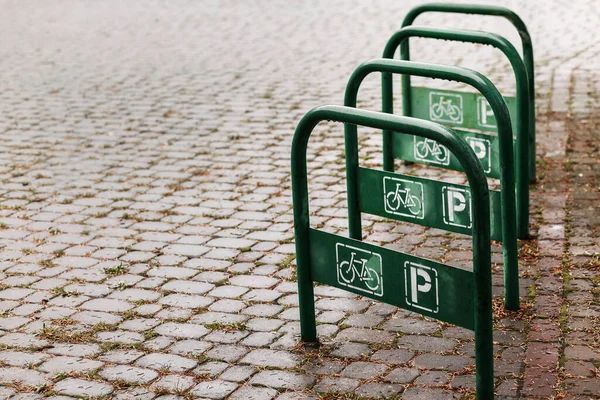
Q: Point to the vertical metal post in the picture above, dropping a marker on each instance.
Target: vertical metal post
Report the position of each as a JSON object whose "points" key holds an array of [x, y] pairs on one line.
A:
{"points": [[387, 106], [308, 325], [528, 57]]}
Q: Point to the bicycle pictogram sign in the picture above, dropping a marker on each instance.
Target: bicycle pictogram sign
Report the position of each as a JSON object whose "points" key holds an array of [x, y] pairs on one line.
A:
{"points": [[431, 151], [403, 197], [444, 107], [359, 269]]}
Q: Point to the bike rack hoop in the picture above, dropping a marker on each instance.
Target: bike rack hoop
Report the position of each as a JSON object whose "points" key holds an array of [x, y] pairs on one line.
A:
{"points": [[525, 108], [481, 221], [526, 42], [387, 67]]}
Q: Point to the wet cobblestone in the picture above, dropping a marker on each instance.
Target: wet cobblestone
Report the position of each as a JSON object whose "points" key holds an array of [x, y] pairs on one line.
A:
{"points": [[146, 233]]}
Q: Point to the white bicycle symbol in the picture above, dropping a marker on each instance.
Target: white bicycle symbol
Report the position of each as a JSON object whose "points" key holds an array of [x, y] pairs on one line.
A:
{"points": [[429, 146], [403, 197], [368, 275], [445, 107]]}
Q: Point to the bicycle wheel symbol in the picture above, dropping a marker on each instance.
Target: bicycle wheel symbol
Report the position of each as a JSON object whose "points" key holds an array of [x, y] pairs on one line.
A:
{"points": [[424, 148]]}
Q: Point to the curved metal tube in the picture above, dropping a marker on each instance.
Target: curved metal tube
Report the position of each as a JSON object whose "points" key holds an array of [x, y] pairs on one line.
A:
{"points": [[481, 221], [526, 42], [523, 104], [507, 178]]}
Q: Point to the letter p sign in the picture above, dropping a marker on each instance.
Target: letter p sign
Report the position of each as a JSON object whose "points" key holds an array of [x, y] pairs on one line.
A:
{"points": [[421, 286], [456, 206]]}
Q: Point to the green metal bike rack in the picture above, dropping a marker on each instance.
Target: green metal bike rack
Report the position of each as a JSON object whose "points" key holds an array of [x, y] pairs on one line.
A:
{"points": [[443, 215], [517, 22], [467, 110], [429, 288]]}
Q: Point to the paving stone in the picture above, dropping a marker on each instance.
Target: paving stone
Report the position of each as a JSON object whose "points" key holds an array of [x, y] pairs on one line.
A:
{"points": [[379, 390], [189, 287], [402, 375], [254, 393], [190, 347], [352, 350], [259, 339], [158, 343], [63, 364], [27, 377], [120, 337], [107, 305], [462, 381], [74, 350], [228, 291], [282, 380], [228, 306], [433, 378], [129, 374], [426, 343], [22, 359], [12, 323], [336, 385], [135, 295], [251, 281], [271, 358], [366, 335], [121, 356], [139, 324], [96, 317], [411, 326], [425, 393], [186, 301], [237, 373], [364, 370], [216, 389], [173, 383], [346, 305], [583, 386], [184, 331], [263, 310], [579, 368], [297, 396], [212, 317], [393, 356], [166, 362], [226, 353], [436, 361], [22, 340], [539, 382], [82, 388], [211, 369], [581, 353], [264, 324]]}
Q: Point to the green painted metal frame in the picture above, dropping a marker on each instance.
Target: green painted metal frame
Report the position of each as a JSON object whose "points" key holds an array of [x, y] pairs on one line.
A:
{"points": [[517, 22], [387, 67], [481, 221], [523, 104]]}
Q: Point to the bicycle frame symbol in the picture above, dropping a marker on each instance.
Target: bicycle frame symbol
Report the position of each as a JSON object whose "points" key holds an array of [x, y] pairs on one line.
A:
{"points": [[428, 146], [445, 107], [432, 151], [402, 197], [356, 272]]}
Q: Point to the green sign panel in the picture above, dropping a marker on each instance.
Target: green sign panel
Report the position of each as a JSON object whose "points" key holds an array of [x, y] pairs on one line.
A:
{"points": [[422, 201], [428, 151], [412, 283], [458, 109]]}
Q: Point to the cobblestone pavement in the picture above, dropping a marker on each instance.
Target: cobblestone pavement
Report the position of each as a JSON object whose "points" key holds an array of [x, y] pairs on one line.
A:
{"points": [[145, 212]]}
